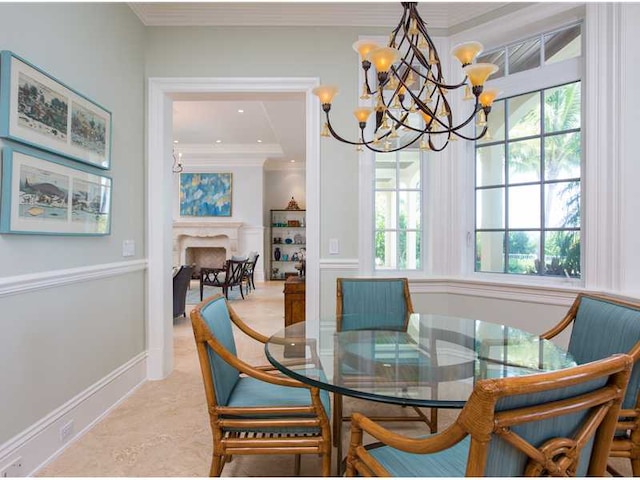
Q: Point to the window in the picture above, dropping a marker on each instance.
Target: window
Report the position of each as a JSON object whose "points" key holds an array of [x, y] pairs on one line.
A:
{"points": [[543, 49], [397, 211], [528, 165], [528, 185]]}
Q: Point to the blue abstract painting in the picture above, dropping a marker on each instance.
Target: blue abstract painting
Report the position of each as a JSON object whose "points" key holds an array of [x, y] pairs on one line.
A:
{"points": [[205, 194]]}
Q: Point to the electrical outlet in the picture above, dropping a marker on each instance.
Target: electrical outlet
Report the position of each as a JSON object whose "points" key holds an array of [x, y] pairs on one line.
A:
{"points": [[14, 469], [66, 431]]}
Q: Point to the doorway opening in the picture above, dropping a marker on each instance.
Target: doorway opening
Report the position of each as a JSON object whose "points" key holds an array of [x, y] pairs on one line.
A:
{"points": [[160, 199]]}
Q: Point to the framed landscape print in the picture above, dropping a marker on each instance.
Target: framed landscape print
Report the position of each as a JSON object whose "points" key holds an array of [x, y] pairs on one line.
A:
{"points": [[42, 194], [38, 110], [205, 194]]}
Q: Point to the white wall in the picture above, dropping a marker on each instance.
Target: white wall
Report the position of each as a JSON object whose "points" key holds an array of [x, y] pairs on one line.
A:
{"points": [[280, 186], [73, 307], [629, 124], [246, 194]]}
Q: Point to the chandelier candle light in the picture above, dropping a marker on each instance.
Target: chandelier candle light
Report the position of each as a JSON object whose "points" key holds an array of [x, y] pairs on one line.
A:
{"points": [[411, 93]]}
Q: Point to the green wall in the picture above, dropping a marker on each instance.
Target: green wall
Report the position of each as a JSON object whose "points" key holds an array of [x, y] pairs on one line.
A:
{"points": [[60, 339]]}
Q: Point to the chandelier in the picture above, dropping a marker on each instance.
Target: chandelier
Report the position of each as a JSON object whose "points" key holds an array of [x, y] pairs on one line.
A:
{"points": [[177, 159], [410, 98]]}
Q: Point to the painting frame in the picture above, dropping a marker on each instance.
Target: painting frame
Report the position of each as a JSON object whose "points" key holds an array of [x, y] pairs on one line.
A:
{"points": [[44, 194], [207, 194], [38, 110]]}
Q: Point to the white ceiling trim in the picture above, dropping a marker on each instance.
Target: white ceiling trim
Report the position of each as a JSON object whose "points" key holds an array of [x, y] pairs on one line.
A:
{"points": [[438, 15], [230, 150], [212, 164]]}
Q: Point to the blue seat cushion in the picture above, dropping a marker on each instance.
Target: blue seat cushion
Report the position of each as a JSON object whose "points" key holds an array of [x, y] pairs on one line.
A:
{"points": [[451, 462], [251, 392]]}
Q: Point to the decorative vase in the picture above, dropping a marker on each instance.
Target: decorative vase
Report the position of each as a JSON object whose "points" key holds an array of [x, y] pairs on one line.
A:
{"points": [[276, 254]]}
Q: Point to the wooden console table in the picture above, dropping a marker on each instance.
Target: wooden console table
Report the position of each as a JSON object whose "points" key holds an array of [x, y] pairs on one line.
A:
{"points": [[294, 303]]}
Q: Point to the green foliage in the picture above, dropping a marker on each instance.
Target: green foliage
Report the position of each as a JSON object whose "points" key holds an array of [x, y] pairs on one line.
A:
{"points": [[562, 153], [402, 241]]}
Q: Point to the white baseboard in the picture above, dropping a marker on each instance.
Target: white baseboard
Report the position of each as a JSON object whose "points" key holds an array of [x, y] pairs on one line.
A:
{"points": [[39, 444]]}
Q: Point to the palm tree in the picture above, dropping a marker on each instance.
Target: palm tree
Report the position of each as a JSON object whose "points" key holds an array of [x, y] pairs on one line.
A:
{"points": [[562, 153]]}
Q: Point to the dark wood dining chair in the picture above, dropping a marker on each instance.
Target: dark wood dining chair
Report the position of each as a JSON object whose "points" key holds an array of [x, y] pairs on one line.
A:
{"points": [[252, 260], [600, 326], [558, 423], [227, 277], [372, 303], [253, 410]]}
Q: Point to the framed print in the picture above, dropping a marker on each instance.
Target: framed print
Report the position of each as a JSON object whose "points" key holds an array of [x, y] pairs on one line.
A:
{"points": [[38, 110], [42, 194], [205, 194]]}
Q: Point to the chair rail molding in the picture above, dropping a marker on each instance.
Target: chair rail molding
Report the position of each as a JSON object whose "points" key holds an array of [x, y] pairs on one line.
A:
{"points": [[55, 278], [340, 264], [160, 195]]}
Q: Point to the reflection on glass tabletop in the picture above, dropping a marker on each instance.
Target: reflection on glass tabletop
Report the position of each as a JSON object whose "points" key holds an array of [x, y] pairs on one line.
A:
{"points": [[435, 362]]}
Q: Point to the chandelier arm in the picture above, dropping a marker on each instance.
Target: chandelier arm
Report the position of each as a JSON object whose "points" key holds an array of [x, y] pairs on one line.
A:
{"points": [[338, 137], [434, 81], [391, 150], [400, 122], [466, 122], [472, 139], [433, 147], [366, 80], [414, 96], [401, 23]]}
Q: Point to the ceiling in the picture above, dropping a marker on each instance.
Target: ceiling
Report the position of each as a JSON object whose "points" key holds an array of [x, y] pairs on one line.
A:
{"points": [[208, 126], [241, 127]]}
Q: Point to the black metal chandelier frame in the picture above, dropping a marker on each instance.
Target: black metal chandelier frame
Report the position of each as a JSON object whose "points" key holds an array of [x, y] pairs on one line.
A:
{"points": [[410, 37]]}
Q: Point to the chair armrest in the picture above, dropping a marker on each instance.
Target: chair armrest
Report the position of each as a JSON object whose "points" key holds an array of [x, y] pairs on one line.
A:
{"points": [[434, 443]]}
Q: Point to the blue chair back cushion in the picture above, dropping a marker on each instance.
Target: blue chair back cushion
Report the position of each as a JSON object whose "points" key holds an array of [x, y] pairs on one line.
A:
{"points": [[374, 304], [503, 459], [225, 376], [602, 328]]}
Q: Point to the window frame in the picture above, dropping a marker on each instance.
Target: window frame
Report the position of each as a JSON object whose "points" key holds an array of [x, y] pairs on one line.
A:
{"points": [[397, 230], [542, 183]]}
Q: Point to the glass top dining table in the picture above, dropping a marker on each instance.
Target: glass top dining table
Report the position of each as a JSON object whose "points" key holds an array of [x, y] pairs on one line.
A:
{"points": [[435, 362]]}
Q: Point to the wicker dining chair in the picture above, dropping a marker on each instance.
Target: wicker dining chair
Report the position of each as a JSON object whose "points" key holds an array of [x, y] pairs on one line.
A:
{"points": [[558, 423], [253, 410], [372, 303], [600, 326]]}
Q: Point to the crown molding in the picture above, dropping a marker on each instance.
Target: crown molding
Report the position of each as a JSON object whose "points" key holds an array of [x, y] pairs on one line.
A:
{"points": [[443, 18]]}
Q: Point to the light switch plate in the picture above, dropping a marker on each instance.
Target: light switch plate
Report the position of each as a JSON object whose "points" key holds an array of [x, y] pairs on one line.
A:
{"points": [[128, 248], [334, 246]]}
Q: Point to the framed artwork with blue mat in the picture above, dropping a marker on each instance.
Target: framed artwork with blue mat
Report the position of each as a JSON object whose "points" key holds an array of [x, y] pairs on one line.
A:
{"points": [[205, 194], [37, 109], [46, 194]]}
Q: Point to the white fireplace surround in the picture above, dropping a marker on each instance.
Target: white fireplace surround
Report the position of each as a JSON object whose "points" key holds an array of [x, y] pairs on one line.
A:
{"points": [[204, 234]]}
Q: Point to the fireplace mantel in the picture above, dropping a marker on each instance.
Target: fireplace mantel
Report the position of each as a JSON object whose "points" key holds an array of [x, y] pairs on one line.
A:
{"points": [[204, 229], [205, 234]]}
